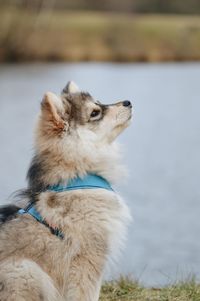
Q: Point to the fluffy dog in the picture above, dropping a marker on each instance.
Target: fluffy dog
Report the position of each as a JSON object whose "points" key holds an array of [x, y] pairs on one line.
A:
{"points": [[62, 254]]}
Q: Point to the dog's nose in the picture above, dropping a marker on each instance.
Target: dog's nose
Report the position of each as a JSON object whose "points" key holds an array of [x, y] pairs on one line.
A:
{"points": [[127, 103]]}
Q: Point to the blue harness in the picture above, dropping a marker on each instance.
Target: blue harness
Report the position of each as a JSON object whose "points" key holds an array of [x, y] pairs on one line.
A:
{"points": [[90, 181]]}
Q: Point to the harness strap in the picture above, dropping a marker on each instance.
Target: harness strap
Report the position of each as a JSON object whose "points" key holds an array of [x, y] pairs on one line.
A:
{"points": [[33, 212], [90, 181]]}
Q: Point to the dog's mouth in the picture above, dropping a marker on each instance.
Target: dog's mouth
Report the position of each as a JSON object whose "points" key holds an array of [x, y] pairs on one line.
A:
{"points": [[130, 115], [126, 122]]}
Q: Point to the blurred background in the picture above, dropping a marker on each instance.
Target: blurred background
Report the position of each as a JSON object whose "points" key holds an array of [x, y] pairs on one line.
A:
{"points": [[147, 51], [106, 30]]}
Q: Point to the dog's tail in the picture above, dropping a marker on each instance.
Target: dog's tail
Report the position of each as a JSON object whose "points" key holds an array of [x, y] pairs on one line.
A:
{"points": [[8, 212], [20, 199]]}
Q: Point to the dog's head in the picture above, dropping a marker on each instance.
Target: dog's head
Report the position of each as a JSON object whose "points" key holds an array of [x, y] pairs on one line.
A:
{"points": [[79, 129], [77, 114]]}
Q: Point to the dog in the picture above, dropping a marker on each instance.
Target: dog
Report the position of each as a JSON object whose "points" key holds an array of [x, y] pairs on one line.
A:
{"points": [[56, 243]]}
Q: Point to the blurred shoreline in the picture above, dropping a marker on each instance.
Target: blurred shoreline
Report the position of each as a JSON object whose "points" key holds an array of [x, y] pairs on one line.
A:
{"points": [[74, 36]]}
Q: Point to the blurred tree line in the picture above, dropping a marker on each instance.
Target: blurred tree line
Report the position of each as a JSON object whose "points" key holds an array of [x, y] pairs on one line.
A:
{"points": [[132, 6]]}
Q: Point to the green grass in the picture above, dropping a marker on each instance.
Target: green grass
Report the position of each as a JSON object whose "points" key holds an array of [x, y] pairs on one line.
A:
{"points": [[125, 289], [82, 36]]}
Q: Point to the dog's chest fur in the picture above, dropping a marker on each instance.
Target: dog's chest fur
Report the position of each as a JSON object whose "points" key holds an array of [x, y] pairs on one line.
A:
{"points": [[96, 217], [93, 223]]}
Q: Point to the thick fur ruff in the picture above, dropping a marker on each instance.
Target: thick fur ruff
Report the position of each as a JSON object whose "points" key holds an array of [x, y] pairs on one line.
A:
{"points": [[74, 136]]}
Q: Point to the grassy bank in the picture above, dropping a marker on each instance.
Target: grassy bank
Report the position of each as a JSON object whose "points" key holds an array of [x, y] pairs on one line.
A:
{"points": [[83, 36], [123, 290]]}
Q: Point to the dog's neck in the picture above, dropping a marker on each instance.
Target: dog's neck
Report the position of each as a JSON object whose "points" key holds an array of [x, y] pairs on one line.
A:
{"points": [[48, 168]]}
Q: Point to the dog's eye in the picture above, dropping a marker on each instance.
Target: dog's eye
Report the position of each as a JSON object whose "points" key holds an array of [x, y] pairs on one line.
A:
{"points": [[95, 113]]}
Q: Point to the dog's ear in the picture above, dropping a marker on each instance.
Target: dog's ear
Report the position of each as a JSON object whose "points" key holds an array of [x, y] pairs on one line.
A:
{"points": [[52, 110], [70, 88]]}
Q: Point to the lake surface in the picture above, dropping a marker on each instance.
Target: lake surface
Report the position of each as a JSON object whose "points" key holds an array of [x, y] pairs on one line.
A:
{"points": [[161, 149]]}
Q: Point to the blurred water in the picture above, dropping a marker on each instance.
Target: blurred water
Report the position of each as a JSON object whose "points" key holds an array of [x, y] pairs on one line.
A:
{"points": [[162, 150]]}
